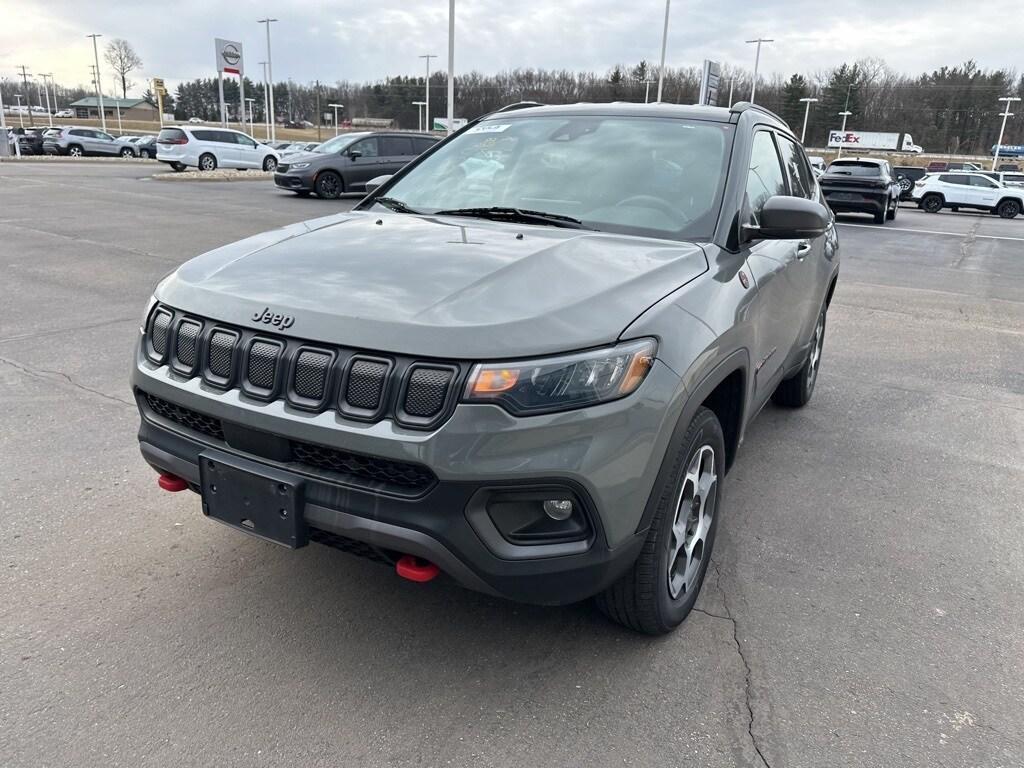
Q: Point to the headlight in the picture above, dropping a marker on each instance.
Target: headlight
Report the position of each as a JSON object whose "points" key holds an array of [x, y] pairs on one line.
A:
{"points": [[565, 382], [145, 315], [298, 166]]}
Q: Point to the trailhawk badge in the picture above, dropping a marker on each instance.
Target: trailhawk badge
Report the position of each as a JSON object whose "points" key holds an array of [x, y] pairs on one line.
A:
{"points": [[275, 319]]}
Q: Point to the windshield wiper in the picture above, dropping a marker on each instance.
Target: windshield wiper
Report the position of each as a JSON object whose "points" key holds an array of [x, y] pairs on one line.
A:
{"points": [[395, 205], [501, 213]]}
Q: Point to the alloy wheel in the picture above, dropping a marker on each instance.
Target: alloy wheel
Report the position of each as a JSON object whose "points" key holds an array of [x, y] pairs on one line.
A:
{"points": [[695, 510], [815, 358]]}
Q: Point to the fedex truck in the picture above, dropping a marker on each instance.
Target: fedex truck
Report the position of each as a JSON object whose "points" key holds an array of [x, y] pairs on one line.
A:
{"points": [[873, 140]]}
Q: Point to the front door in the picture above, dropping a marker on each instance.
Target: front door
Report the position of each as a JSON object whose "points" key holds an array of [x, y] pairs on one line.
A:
{"points": [[248, 155], [362, 163], [104, 143], [982, 191]]}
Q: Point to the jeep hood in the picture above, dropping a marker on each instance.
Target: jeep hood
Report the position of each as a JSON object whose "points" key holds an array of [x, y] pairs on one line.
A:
{"points": [[436, 286]]}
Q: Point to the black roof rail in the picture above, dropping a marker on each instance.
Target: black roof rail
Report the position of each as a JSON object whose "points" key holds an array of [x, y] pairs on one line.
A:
{"points": [[517, 105], [743, 106]]}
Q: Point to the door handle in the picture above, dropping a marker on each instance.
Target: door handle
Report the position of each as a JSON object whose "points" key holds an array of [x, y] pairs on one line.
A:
{"points": [[802, 249]]}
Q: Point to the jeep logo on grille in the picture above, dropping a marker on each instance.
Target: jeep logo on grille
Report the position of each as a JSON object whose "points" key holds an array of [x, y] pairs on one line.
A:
{"points": [[275, 319]]}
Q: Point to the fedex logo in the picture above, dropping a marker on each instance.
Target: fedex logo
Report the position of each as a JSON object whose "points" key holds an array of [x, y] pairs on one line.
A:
{"points": [[835, 137]]}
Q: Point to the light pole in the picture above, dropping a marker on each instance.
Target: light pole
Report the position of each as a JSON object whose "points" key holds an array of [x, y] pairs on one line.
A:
{"points": [[419, 111], [647, 89], [757, 64], [664, 46], [451, 66], [266, 103], [1006, 113], [252, 114], [842, 129], [336, 107], [426, 86], [21, 117], [807, 112], [5, 144], [271, 122], [46, 88], [99, 88]]}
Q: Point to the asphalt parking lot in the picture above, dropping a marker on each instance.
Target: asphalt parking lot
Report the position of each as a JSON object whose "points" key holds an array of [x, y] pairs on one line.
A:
{"points": [[864, 610]]}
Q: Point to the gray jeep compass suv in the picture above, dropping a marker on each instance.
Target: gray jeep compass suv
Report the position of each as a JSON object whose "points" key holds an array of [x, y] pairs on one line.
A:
{"points": [[525, 362]]}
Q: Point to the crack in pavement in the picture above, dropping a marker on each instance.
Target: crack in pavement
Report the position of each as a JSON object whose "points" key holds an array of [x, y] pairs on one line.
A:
{"points": [[966, 243], [47, 375], [746, 665]]}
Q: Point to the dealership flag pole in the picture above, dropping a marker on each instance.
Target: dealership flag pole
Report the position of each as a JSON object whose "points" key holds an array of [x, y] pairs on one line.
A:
{"points": [[426, 83], [451, 65], [271, 122], [664, 46], [99, 88]]}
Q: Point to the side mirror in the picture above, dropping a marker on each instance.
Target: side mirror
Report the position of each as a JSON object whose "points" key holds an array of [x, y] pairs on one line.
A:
{"points": [[376, 183], [789, 218], [355, 154]]}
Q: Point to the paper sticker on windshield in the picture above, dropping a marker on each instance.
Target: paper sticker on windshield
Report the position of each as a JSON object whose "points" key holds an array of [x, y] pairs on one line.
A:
{"points": [[490, 128]]}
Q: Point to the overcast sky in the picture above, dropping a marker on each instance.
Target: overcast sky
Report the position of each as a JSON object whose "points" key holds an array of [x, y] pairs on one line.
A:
{"points": [[371, 39]]}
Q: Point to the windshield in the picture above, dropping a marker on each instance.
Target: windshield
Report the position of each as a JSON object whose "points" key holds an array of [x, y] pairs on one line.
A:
{"points": [[338, 143], [855, 169], [634, 175]]}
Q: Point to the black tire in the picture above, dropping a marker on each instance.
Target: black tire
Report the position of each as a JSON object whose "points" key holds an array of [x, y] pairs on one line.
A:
{"points": [[270, 164], [643, 598], [955, 208], [931, 203], [75, 151], [127, 153], [329, 185], [207, 162], [1008, 209], [891, 215], [796, 391], [880, 216], [302, 192], [178, 167]]}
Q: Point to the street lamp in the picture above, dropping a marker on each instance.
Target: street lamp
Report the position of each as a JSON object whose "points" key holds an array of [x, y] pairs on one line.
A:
{"points": [[252, 114], [426, 85], [419, 111], [46, 88], [266, 103], [845, 114], [757, 64], [271, 122], [99, 88], [451, 66], [1006, 113], [336, 107], [807, 111], [21, 117], [664, 46]]}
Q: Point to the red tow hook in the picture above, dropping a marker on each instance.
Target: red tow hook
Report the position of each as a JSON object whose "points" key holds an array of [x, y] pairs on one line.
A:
{"points": [[172, 483], [416, 569]]}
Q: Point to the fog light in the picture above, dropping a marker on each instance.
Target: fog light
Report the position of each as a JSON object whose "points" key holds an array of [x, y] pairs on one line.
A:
{"points": [[558, 509]]}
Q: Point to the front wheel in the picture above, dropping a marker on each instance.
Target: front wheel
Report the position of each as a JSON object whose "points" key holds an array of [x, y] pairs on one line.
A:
{"points": [[329, 185], [659, 591], [127, 153], [270, 164], [796, 391], [1008, 209]]}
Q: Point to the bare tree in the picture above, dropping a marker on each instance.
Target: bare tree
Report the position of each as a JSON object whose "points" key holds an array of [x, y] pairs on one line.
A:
{"points": [[123, 59]]}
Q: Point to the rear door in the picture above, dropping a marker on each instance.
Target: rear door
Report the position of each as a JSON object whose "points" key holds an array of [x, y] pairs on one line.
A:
{"points": [[954, 188], [395, 151], [777, 304], [362, 163]]}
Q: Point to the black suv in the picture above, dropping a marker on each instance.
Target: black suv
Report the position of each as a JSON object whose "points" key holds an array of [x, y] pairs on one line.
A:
{"points": [[346, 162], [862, 185]]}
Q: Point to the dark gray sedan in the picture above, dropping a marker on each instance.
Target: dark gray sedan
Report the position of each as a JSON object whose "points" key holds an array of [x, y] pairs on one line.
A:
{"points": [[345, 163]]}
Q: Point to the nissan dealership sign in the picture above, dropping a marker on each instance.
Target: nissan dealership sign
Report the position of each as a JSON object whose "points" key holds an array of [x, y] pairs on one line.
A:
{"points": [[229, 56]]}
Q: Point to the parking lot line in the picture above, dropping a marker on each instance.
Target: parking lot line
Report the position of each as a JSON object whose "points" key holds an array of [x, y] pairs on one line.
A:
{"points": [[932, 232]]}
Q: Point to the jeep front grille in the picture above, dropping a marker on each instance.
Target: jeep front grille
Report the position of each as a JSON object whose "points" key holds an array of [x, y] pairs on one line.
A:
{"points": [[359, 386], [361, 470]]}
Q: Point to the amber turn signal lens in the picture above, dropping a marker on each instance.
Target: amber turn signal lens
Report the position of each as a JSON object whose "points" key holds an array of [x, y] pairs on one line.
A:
{"points": [[492, 380], [638, 369]]}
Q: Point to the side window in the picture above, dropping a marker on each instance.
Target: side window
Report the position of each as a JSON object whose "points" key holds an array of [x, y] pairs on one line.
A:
{"points": [[103, 136], [396, 145], [801, 182], [981, 181], [245, 141], [422, 145], [78, 132], [205, 135], [367, 146], [949, 178], [765, 178]]}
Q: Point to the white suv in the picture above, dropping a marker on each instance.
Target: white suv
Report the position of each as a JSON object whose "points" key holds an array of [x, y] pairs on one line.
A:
{"points": [[210, 148], [968, 190]]}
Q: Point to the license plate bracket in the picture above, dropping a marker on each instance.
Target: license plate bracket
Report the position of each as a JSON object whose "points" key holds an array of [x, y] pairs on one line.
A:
{"points": [[253, 498]]}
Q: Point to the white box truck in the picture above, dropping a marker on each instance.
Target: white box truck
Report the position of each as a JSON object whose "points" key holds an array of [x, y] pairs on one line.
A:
{"points": [[873, 140]]}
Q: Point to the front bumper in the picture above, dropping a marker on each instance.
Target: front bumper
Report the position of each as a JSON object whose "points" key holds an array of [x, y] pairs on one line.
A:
{"points": [[294, 182], [607, 455]]}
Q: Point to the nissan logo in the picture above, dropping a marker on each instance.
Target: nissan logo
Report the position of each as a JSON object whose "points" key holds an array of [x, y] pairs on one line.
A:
{"points": [[231, 54]]}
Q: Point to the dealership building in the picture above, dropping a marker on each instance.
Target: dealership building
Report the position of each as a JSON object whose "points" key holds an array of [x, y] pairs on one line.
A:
{"points": [[131, 109]]}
